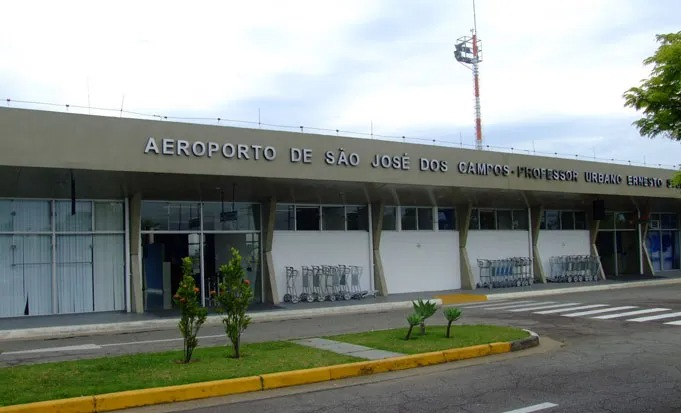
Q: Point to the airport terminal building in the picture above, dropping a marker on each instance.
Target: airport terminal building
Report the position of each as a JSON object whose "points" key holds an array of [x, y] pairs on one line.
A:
{"points": [[97, 212]]}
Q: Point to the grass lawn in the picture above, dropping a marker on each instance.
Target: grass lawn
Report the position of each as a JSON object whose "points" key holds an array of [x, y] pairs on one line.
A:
{"points": [[434, 340], [31, 383]]}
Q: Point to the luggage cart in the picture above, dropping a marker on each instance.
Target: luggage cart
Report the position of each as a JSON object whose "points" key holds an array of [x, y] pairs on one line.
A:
{"points": [[291, 295], [485, 268], [344, 273], [317, 289]]}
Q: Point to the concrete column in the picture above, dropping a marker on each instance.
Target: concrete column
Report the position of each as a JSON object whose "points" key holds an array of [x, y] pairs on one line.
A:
{"points": [[376, 230], [269, 209], [463, 220], [136, 284], [536, 213], [594, 225], [645, 257]]}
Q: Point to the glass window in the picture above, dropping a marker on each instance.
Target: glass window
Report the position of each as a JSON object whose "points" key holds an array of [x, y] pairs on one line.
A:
{"points": [[668, 221], [552, 219], [285, 218], [625, 220], [608, 222], [307, 218], [580, 220], [567, 220], [542, 220], [409, 218], [357, 218], [488, 219], [240, 216], [475, 220], [81, 221], [425, 219], [389, 218], [520, 220], [25, 216], [109, 216], [504, 219], [446, 219], [170, 216], [333, 218]]}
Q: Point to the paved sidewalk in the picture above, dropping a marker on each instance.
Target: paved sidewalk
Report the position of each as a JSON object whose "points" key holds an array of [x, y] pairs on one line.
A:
{"points": [[347, 348]]}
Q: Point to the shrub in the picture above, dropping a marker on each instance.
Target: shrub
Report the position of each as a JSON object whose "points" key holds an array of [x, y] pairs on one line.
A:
{"points": [[451, 314], [424, 309], [192, 314], [233, 296], [413, 320]]}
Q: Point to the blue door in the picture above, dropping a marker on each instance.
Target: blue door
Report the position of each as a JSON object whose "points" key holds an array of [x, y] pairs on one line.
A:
{"points": [[669, 250]]}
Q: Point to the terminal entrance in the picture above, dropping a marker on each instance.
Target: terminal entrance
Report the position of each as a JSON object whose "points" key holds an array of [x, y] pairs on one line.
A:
{"points": [[204, 231], [618, 244]]}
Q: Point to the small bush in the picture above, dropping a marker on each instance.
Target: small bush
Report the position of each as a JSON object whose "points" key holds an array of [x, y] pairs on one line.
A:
{"points": [[192, 314], [424, 309], [451, 314], [233, 297]]}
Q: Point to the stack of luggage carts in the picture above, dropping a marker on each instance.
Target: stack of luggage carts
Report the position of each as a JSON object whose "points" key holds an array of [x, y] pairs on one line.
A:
{"points": [[574, 268], [505, 272], [325, 283]]}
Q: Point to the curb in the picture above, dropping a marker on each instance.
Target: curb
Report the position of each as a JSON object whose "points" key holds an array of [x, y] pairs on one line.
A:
{"points": [[583, 289], [187, 392], [279, 315], [146, 325]]}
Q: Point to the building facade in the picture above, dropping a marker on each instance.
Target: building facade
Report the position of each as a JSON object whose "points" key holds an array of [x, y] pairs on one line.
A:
{"points": [[97, 212]]}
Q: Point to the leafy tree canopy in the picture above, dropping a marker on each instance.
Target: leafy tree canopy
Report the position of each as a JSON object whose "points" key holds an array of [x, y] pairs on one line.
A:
{"points": [[659, 96]]}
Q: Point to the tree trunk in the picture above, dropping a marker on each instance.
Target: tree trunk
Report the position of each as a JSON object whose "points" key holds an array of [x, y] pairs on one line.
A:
{"points": [[449, 326], [423, 329], [236, 348], [409, 332]]}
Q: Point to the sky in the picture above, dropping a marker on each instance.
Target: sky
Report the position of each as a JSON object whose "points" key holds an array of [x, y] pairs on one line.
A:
{"points": [[551, 78]]}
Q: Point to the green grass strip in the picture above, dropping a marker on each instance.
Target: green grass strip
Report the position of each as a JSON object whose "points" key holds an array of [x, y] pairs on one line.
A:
{"points": [[434, 340], [48, 381]]}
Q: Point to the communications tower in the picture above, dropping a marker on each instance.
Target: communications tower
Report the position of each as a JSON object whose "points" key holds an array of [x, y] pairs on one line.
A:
{"points": [[468, 52]]}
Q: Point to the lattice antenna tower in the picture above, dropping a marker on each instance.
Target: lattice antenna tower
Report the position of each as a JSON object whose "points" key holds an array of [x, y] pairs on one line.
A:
{"points": [[468, 52]]}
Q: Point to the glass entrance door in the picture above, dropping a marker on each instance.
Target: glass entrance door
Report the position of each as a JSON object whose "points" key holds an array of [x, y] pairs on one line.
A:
{"points": [[217, 252]]}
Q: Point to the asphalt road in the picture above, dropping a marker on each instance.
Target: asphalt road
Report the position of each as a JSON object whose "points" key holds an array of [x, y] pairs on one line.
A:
{"points": [[584, 364]]}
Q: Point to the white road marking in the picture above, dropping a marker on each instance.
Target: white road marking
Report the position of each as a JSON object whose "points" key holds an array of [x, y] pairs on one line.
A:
{"points": [[674, 323], [602, 310], [648, 310], [130, 343], [542, 307], [582, 307], [534, 408], [493, 304], [53, 349], [656, 317], [84, 347], [504, 307]]}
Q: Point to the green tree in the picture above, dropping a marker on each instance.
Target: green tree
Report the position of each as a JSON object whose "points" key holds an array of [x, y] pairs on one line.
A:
{"points": [[659, 96], [233, 296], [192, 314]]}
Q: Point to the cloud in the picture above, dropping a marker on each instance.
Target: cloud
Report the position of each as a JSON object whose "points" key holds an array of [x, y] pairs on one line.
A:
{"points": [[551, 70]]}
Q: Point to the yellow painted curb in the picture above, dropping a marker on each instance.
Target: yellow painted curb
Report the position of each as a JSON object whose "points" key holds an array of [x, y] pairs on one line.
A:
{"points": [[185, 392], [295, 377], [461, 298], [72, 405]]}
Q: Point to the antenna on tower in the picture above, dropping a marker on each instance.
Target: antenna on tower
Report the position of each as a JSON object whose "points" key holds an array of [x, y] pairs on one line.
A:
{"points": [[467, 51]]}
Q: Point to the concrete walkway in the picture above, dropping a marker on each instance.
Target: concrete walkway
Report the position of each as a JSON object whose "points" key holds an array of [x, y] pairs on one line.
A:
{"points": [[347, 348]]}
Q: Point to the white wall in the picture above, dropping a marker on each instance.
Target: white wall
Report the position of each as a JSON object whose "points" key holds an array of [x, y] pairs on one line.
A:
{"points": [[556, 243], [295, 249], [493, 245], [416, 261]]}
